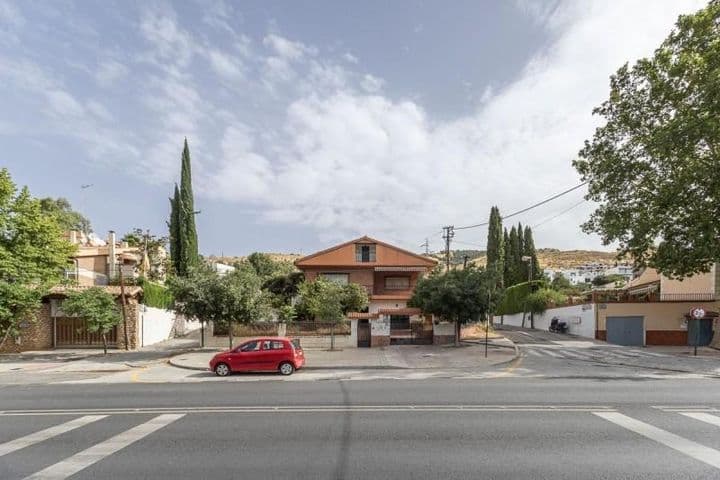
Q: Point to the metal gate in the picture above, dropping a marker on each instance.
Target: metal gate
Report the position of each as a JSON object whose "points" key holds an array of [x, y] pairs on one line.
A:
{"points": [[700, 331], [73, 332], [363, 333], [625, 331]]}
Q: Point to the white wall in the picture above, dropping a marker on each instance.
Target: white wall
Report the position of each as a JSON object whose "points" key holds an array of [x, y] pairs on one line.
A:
{"points": [[580, 319], [374, 306], [156, 325]]}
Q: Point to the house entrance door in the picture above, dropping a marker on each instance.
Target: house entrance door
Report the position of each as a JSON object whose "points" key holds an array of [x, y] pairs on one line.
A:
{"points": [[363, 333]]}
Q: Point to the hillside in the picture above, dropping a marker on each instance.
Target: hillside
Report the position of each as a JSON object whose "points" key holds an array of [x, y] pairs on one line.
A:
{"points": [[548, 257], [560, 259]]}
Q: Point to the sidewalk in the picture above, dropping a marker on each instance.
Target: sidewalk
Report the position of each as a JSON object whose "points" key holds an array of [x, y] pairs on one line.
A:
{"points": [[93, 360], [467, 356]]}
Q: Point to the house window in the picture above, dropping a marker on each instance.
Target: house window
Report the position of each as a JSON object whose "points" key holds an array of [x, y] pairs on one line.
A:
{"points": [[337, 278], [365, 253], [397, 283]]}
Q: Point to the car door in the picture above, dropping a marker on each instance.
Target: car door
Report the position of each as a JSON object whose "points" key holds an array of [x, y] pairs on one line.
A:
{"points": [[246, 357], [269, 358]]}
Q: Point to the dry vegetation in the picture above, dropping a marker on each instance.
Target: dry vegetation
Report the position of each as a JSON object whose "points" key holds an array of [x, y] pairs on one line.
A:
{"points": [[278, 257], [554, 258]]}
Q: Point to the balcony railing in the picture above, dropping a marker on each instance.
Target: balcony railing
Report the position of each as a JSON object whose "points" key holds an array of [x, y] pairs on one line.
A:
{"points": [[623, 296]]}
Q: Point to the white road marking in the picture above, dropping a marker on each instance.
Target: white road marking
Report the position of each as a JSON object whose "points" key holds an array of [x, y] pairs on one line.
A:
{"points": [[318, 409], [649, 354], [552, 354], [703, 417], [37, 437], [576, 355], [692, 449], [71, 465]]}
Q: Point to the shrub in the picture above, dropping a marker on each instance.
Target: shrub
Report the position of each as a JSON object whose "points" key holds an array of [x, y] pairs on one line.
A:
{"points": [[156, 295]]}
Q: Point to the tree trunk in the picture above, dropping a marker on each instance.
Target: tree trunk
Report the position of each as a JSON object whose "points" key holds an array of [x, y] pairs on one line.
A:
{"points": [[532, 320], [230, 334], [202, 334], [457, 333], [523, 320], [332, 336], [104, 337]]}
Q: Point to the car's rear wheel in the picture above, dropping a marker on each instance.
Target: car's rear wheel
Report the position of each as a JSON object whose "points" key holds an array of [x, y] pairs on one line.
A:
{"points": [[286, 368], [222, 370]]}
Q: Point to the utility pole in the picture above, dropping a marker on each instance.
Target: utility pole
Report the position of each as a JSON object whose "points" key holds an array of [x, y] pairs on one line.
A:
{"points": [[122, 303], [448, 234], [427, 246], [465, 259]]}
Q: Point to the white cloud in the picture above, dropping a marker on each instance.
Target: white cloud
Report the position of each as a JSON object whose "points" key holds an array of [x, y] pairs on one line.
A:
{"points": [[351, 162], [371, 83], [63, 104], [225, 65], [288, 49], [109, 72], [349, 57]]}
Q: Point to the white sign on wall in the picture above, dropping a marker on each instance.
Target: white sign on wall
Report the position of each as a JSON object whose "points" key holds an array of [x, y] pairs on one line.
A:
{"points": [[380, 327]]}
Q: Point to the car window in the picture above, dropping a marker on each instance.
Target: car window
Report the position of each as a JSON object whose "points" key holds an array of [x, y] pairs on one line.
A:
{"points": [[266, 345], [278, 345], [250, 347]]}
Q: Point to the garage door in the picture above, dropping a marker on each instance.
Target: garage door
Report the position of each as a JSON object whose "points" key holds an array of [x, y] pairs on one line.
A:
{"points": [[625, 331]]}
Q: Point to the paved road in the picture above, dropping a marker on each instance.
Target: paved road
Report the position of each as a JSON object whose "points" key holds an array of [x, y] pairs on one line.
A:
{"points": [[541, 417]]}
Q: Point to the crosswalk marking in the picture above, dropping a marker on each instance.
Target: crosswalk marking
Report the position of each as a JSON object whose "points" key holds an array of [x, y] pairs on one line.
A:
{"points": [[94, 454], [692, 449], [703, 417], [591, 354], [33, 438]]}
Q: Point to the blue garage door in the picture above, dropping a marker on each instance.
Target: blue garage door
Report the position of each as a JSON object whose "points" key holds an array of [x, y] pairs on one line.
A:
{"points": [[625, 331]]}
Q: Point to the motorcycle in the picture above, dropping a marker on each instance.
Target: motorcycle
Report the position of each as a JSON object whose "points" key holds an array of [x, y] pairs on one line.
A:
{"points": [[557, 326]]}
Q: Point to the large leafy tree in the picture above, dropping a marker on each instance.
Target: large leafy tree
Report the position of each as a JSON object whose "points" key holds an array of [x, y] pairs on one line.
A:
{"points": [[495, 246], [183, 233], [225, 300], [97, 307], [33, 255], [330, 302], [653, 165], [67, 218], [458, 296]]}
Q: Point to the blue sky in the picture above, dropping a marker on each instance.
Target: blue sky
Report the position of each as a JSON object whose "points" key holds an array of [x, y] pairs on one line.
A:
{"points": [[310, 123]]}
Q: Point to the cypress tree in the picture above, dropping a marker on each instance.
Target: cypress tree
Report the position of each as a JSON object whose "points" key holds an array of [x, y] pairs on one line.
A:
{"points": [[495, 245], [514, 257], [174, 228], [529, 246], [508, 265], [183, 234], [189, 249], [522, 266]]}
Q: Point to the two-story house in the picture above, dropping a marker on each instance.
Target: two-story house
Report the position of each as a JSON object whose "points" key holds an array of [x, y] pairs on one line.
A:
{"points": [[389, 275]]}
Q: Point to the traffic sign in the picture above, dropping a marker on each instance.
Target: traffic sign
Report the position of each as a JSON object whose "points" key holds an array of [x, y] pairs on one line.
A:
{"points": [[697, 312]]}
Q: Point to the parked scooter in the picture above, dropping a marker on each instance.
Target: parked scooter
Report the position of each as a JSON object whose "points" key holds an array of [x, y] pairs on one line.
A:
{"points": [[557, 326]]}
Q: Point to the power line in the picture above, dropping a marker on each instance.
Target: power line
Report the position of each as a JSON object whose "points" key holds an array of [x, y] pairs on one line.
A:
{"points": [[559, 214], [527, 208]]}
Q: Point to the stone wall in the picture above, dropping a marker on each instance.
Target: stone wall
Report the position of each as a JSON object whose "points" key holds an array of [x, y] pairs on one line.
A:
{"points": [[133, 312], [35, 334]]}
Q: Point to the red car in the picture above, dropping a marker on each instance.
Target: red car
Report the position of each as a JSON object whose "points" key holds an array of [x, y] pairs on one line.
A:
{"points": [[266, 354]]}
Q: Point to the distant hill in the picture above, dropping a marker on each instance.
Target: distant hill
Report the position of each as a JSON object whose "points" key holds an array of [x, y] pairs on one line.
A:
{"points": [[548, 257], [278, 257], [560, 259]]}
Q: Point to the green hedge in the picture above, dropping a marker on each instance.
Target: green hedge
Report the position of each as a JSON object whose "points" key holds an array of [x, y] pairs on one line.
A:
{"points": [[156, 295], [513, 300]]}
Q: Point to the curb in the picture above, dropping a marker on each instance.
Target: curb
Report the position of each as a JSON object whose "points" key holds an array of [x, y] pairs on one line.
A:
{"points": [[515, 357]]}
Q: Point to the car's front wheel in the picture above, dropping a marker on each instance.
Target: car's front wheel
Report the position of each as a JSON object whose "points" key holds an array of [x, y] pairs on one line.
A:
{"points": [[286, 368], [222, 370]]}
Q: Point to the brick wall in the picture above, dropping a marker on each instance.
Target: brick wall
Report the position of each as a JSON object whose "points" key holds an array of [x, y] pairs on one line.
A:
{"points": [[35, 334], [133, 314]]}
